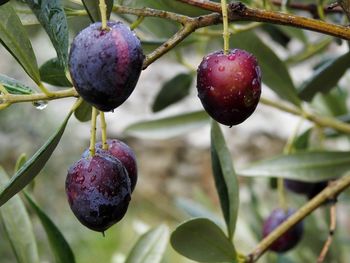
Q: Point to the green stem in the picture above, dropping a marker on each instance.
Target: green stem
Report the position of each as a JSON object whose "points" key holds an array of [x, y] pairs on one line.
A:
{"points": [[329, 192], [3, 90], [226, 34], [44, 89], [103, 11], [14, 98], [281, 194], [137, 22], [93, 131], [104, 131]]}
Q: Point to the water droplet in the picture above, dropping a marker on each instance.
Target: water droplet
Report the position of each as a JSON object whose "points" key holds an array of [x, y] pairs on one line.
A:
{"points": [[89, 169], [221, 68], [231, 57], [40, 104], [211, 88], [254, 82], [79, 179]]}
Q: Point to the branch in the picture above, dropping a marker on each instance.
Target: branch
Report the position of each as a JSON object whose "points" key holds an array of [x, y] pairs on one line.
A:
{"points": [[319, 120], [7, 99], [240, 12], [329, 192]]}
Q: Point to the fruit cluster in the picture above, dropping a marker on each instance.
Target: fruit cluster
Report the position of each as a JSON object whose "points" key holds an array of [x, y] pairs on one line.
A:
{"points": [[105, 64]]}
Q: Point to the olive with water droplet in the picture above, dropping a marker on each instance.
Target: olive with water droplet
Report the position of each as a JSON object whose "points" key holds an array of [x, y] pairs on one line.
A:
{"points": [[98, 197], [237, 80]]}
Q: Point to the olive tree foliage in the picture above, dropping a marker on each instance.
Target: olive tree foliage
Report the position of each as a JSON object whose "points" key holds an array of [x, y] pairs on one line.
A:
{"points": [[173, 29]]}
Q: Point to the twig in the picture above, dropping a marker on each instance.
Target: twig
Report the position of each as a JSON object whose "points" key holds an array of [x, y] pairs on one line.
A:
{"points": [[329, 192], [332, 226], [13, 98], [240, 12]]}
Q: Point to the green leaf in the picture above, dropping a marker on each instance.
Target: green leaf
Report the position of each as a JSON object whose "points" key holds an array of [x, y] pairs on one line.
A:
{"points": [[15, 39], [150, 247], [51, 16], [303, 166], [173, 91], [201, 240], [333, 103], [325, 77], [195, 209], [225, 178], [18, 227], [33, 166], [83, 112], [13, 86], [53, 72], [274, 72], [168, 127], [60, 247], [92, 7]]}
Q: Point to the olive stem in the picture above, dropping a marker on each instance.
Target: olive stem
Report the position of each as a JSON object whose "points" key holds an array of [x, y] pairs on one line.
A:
{"points": [[329, 192], [226, 33], [15, 98], [104, 131], [238, 11], [93, 132], [103, 11], [137, 22], [44, 89], [332, 226], [319, 120]]}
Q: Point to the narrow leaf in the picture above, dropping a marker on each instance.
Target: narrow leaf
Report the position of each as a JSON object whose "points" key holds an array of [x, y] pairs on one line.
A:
{"points": [[83, 112], [18, 227], [173, 91], [21, 160], [53, 72], [274, 72], [15, 39], [51, 16], [60, 247], [33, 166], [13, 86], [92, 7], [201, 240], [150, 247], [325, 78], [195, 209], [168, 127], [225, 178], [303, 166]]}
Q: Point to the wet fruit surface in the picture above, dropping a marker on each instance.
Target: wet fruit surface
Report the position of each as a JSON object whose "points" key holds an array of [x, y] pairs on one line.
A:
{"points": [[123, 153], [98, 191], [305, 188], [105, 64], [290, 238], [229, 85]]}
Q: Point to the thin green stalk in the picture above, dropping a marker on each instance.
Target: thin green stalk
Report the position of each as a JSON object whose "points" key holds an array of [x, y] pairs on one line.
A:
{"points": [[137, 22], [93, 131], [103, 11], [104, 131]]}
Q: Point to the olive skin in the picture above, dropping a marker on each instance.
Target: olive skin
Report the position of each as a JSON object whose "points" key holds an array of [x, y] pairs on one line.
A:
{"points": [[105, 64], [123, 153], [305, 188], [229, 85], [98, 191], [290, 238]]}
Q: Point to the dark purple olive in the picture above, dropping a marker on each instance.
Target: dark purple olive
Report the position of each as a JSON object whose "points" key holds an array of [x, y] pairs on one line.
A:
{"points": [[105, 64], [305, 188], [229, 85], [123, 153], [98, 191], [290, 238]]}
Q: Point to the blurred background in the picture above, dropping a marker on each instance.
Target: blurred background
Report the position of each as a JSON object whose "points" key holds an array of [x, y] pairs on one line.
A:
{"points": [[174, 171]]}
